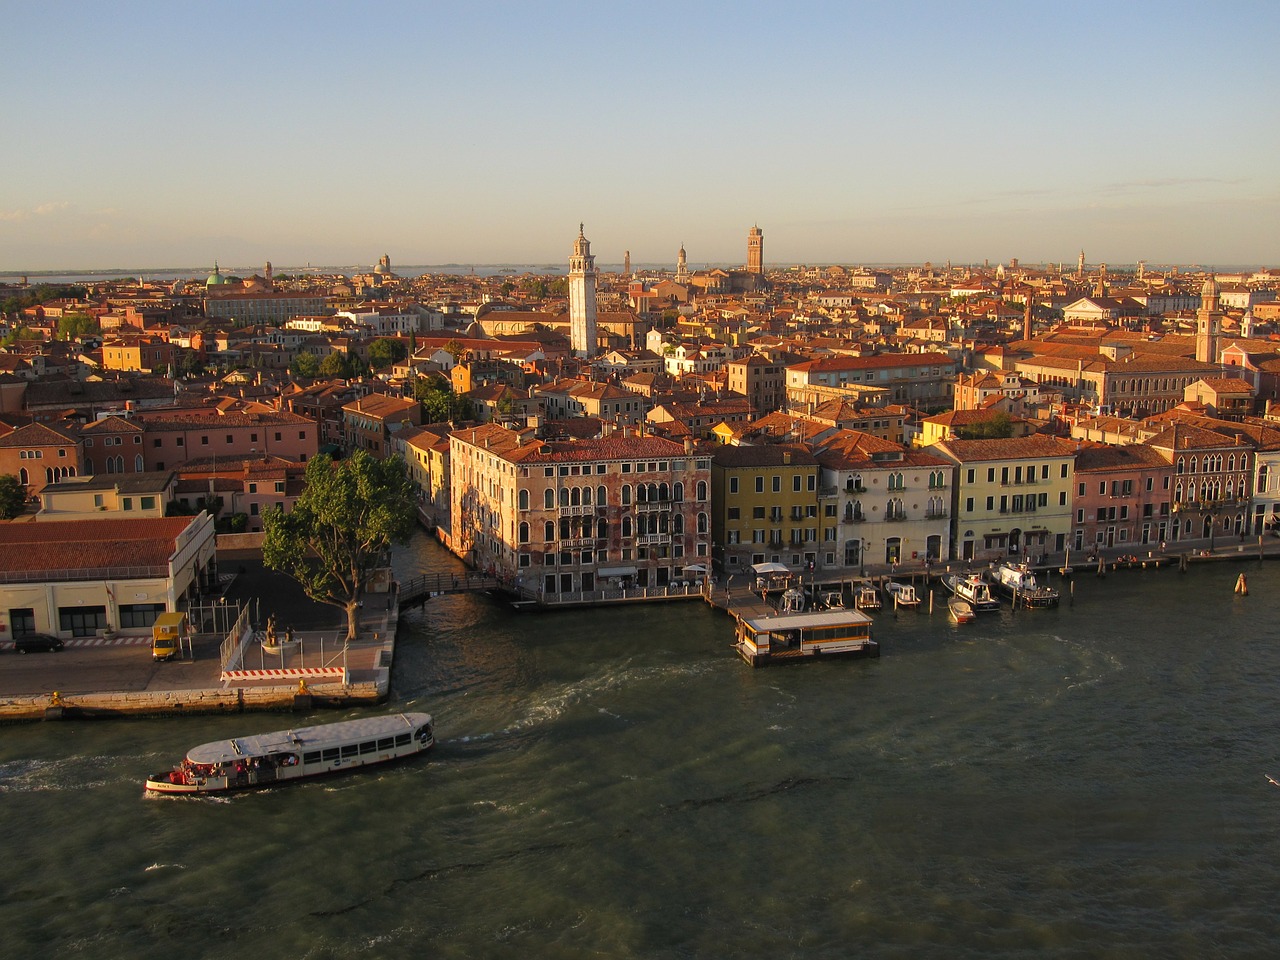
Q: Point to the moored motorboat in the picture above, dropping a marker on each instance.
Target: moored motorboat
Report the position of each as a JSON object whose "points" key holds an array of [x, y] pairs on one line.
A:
{"points": [[960, 611], [1018, 582], [866, 597], [268, 759], [972, 588], [901, 594]]}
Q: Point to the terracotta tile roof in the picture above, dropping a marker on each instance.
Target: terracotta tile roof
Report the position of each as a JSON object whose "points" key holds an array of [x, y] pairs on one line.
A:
{"points": [[1007, 448], [89, 544]]}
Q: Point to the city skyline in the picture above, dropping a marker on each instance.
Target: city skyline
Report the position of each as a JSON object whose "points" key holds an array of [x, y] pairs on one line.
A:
{"points": [[328, 135]]}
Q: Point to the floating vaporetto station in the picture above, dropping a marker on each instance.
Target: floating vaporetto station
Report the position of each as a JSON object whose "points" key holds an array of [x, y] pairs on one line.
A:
{"points": [[793, 636]]}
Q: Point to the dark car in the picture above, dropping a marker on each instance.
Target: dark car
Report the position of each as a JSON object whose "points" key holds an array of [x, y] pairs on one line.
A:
{"points": [[36, 643]]}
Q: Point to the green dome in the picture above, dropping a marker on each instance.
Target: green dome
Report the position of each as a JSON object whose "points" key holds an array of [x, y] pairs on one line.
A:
{"points": [[215, 278]]}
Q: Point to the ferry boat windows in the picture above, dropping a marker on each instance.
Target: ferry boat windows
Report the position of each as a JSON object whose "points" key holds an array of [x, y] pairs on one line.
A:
{"points": [[369, 746], [330, 754], [350, 750], [313, 757]]}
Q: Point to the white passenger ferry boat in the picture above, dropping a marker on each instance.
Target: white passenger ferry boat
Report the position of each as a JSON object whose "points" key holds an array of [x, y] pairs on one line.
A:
{"points": [[267, 759]]}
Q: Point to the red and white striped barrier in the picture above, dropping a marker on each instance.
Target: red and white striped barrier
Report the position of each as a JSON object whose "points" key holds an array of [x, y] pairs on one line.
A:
{"points": [[287, 673]]}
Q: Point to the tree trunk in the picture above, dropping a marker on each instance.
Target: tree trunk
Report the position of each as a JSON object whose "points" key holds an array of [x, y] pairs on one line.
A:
{"points": [[353, 614]]}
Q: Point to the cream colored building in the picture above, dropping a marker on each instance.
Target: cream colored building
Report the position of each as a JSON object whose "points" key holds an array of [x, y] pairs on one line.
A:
{"points": [[84, 578]]}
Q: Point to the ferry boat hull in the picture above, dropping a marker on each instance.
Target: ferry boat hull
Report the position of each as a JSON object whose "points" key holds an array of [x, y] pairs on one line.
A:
{"points": [[271, 759]]}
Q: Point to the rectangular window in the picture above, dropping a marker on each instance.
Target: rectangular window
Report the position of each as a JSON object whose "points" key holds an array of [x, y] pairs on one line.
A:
{"points": [[204, 441], [147, 503], [733, 484], [759, 484], [968, 504], [777, 484], [97, 499], [969, 477], [82, 621], [126, 503], [795, 483], [735, 513], [991, 503], [140, 614]]}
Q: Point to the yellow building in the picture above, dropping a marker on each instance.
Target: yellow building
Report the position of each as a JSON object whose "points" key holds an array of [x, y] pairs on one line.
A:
{"points": [[766, 507], [1012, 496], [137, 354]]}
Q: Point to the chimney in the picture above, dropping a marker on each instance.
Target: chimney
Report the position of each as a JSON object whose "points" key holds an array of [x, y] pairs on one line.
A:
{"points": [[688, 446]]}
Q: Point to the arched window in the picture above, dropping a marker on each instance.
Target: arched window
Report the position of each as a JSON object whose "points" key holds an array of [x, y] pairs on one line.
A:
{"points": [[119, 464], [524, 532], [586, 496], [1181, 464], [48, 474], [679, 492], [642, 493], [564, 496], [664, 492], [575, 497], [601, 498], [626, 494], [677, 523], [702, 523], [1192, 465], [524, 499], [548, 498], [702, 490], [137, 464], [602, 528], [1262, 478], [549, 531], [626, 527], [23, 476]]}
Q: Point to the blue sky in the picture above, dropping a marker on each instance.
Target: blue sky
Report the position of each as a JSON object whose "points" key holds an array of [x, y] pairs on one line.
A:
{"points": [[163, 134]]}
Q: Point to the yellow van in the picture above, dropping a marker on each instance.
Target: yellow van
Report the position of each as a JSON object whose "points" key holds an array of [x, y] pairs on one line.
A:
{"points": [[167, 634]]}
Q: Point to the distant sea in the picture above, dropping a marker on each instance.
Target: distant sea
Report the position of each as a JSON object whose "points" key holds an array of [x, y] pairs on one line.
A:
{"points": [[461, 269]]}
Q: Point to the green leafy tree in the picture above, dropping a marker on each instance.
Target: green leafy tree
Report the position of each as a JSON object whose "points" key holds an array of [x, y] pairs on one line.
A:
{"points": [[13, 496], [385, 352], [436, 395], [74, 325], [455, 349], [17, 333], [305, 365], [340, 528], [336, 364], [998, 427]]}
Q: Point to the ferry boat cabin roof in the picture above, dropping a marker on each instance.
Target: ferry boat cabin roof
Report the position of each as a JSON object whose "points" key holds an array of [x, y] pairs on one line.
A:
{"points": [[304, 738]]}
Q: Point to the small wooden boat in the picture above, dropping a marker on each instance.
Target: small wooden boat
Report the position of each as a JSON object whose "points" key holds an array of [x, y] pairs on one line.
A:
{"points": [[960, 611]]}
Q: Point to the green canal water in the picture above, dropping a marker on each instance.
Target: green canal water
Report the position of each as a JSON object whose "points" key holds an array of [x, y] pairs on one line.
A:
{"points": [[1085, 782]]}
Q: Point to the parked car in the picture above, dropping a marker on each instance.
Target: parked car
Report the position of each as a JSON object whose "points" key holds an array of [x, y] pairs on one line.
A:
{"points": [[36, 643]]}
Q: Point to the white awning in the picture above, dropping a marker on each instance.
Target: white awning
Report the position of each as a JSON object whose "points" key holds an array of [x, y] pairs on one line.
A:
{"points": [[769, 569], [695, 568], [616, 571]]}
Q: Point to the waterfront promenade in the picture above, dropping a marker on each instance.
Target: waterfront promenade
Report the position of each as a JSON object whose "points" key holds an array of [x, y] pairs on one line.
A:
{"points": [[98, 677]]}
